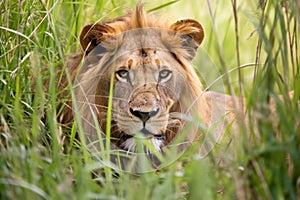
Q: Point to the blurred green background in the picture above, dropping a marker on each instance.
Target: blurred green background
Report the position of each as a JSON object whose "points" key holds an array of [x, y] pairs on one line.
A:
{"points": [[38, 162]]}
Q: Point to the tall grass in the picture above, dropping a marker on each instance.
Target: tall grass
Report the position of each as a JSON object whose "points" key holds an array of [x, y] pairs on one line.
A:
{"points": [[39, 161]]}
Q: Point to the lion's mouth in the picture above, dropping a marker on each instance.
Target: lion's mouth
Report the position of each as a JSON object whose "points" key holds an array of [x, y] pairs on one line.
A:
{"points": [[145, 134], [128, 142]]}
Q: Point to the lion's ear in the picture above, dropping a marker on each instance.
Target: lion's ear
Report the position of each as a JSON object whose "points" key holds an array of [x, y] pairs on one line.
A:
{"points": [[93, 34], [192, 33]]}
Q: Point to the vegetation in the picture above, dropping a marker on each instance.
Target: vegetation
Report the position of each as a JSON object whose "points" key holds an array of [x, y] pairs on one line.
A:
{"points": [[256, 46]]}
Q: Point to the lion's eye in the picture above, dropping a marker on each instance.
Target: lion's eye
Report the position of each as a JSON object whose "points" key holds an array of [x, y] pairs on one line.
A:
{"points": [[122, 74], [164, 74]]}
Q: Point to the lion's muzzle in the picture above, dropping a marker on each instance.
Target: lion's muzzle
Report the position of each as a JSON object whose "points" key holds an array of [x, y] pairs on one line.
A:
{"points": [[144, 116], [144, 106]]}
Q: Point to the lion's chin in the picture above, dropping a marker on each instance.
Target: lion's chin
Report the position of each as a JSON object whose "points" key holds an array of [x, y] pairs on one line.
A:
{"points": [[130, 144]]}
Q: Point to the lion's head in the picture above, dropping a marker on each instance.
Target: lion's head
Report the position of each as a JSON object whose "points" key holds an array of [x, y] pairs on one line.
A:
{"points": [[155, 90]]}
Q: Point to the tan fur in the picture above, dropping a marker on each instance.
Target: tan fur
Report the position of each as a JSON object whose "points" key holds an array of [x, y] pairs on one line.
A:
{"points": [[170, 40], [138, 42]]}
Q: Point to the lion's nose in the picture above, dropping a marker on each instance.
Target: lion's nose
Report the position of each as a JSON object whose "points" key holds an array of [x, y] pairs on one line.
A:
{"points": [[144, 116]]}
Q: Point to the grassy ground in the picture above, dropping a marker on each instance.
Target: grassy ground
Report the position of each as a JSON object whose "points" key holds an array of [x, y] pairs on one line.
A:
{"points": [[263, 37]]}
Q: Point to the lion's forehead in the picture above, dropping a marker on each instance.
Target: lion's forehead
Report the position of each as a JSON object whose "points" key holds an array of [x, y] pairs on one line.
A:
{"points": [[149, 58]]}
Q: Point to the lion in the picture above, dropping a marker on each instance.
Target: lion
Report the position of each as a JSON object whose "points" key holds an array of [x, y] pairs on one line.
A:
{"points": [[137, 70]]}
